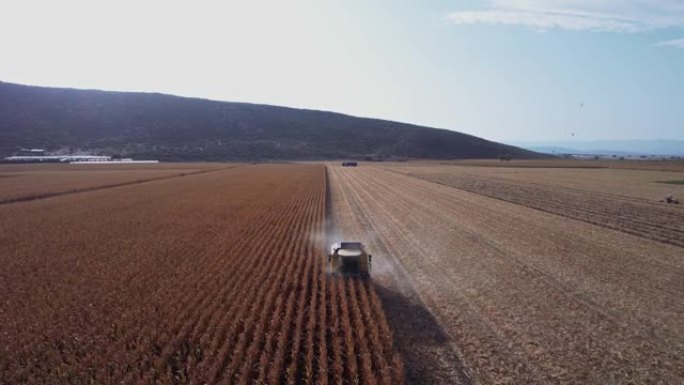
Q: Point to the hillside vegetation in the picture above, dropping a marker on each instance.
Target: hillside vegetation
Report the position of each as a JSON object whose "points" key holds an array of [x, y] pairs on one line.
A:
{"points": [[176, 128]]}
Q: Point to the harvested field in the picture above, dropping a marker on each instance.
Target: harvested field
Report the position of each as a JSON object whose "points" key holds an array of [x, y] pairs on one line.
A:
{"points": [[653, 165], [34, 181], [643, 184], [578, 195], [515, 295], [212, 278]]}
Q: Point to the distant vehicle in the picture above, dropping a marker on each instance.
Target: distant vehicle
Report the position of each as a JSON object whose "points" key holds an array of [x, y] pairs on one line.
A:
{"points": [[349, 259], [670, 199], [349, 164]]}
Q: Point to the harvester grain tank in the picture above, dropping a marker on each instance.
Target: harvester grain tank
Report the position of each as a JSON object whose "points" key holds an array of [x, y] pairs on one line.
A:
{"points": [[349, 259]]}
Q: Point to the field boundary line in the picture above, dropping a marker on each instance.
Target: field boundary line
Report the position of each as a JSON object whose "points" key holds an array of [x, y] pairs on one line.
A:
{"points": [[28, 198], [669, 242], [585, 220]]}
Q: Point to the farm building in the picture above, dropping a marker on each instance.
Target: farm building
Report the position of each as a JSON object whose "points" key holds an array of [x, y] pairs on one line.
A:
{"points": [[55, 158]]}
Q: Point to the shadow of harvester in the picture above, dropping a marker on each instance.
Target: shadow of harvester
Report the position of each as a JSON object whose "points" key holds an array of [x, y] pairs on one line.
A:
{"points": [[420, 339]]}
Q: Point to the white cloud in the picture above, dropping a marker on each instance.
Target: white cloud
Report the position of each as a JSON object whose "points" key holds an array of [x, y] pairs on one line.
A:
{"points": [[543, 20], [672, 43], [578, 15]]}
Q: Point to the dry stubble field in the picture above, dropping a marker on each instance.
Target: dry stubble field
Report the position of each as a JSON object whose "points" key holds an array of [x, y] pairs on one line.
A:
{"points": [[525, 277]]}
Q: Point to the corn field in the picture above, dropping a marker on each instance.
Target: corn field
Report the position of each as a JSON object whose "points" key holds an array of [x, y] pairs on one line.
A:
{"points": [[212, 278]]}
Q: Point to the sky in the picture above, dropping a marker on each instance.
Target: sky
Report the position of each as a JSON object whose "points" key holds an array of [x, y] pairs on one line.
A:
{"points": [[505, 70]]}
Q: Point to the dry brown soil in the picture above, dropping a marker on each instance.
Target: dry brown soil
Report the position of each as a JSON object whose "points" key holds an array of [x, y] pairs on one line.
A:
{"points": [[481, 285]]}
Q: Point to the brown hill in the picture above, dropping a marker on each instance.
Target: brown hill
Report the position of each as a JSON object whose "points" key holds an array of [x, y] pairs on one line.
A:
{"points": [[176, 128]]}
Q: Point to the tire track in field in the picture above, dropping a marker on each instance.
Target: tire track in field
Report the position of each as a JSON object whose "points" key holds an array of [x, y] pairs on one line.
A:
{"points": [[527, 296]]}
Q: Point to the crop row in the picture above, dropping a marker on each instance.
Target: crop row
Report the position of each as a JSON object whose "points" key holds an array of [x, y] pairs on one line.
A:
{"points": [[213, 278]]}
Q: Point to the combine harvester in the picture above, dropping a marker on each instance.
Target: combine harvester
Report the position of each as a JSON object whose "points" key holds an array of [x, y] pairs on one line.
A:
{"points": [[349, 259], [670, 199]]}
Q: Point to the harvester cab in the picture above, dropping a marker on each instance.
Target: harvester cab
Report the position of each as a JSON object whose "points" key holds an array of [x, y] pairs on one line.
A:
{"points": [[349, 259]]}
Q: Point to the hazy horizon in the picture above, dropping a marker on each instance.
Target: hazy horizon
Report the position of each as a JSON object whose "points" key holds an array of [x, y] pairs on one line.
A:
{"points": [[521, 70]]}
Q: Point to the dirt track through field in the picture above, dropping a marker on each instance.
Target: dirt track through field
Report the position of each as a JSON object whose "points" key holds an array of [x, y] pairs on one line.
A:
{"points": [[517, 295]]}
